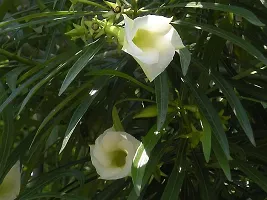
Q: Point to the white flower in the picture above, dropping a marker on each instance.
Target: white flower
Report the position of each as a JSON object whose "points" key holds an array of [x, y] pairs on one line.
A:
{"points": [[10, 187], [152, 41], [113, 153]]}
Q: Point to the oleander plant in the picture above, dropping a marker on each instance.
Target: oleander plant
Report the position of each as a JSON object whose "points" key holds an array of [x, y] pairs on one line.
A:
{"points": [[133, 100]]}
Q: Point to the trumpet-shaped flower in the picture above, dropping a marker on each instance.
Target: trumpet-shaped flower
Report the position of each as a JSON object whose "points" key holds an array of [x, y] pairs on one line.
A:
{"points": [[152, 42], [10, 187], [113, 153]]}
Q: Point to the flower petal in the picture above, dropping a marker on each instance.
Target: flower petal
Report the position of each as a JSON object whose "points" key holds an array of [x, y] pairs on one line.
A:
{"points": [[10, 187], [152, 23], [129, 24], [148, 57], [99, 154], [113, 173], [132, 139], [175, 39], [110, 140], [165, 57], [106, 173]]}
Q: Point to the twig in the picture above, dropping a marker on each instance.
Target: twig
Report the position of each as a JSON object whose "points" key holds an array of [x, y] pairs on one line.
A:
{"points": [[18, 58]]}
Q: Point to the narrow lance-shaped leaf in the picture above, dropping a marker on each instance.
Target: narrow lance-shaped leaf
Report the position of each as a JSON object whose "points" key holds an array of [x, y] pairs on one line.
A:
{"points": [[228, 36], [111, 191], [15, 155], [57, 196], [41, 83], [108, 72], [151, 111], [156, 156], [233, 100], [176, 179], [221, 157], [116, 120], [162, 98], [7, 134], [77, 116], [62, 104], [242, 12], [45, 15], [206, 138], [206, 191], [50, 64], [78, 66], [45, 179], [185, 59], [210, 114], [12, 77], [142, 157]]}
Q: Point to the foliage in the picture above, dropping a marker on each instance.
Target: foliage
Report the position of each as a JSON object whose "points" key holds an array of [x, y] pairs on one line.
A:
{"points": [[204, 134]]}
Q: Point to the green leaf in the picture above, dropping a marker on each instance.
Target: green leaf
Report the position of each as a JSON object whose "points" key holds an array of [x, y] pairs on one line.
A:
{"points": [[154, 160], [206, 192], [4, 7], [206, 138], [107, 72], [116, 120], [42, 82], [90, 51], [16, 154], [12, 77], [185, 59], [62, 104], [259, 178], [255, 153], [77, 116], [151, 111], [39, 140], [50, 64], [33, 23], [162, 98], [141, 157], [175, 180], [112, 190], [211, 115], [242, 12], [46, 16], [47, 178], [233, 100], [7, 135], [57, 196], [247, 46], [221, 157]]}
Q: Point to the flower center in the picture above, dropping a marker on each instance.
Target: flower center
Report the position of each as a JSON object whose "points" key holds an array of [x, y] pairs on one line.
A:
{"points": [[117, 9], [118, 158], [145, 39], [95, 26]]}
